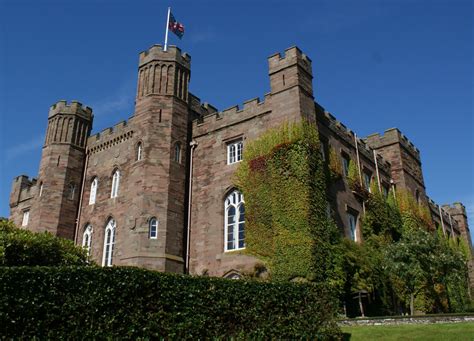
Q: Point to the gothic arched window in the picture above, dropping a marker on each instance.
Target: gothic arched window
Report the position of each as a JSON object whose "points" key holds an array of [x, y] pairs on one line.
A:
{"points": [[234, 228], [139, 151], [153, 228], [177, 152], [109, 241], [87, 238], [115, 184], [93, 194]]}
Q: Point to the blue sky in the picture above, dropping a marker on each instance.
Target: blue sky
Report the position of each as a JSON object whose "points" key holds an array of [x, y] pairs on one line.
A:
{"points": [[377, 64]]}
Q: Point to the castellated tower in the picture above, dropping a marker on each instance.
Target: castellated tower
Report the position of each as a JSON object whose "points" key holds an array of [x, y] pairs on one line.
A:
{"points": [[291, 85], [50, 202], [405, 161], [149, 152], [161, 120]]}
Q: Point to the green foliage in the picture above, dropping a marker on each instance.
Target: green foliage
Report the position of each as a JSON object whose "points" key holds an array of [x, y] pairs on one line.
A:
{"points": [[402, 263], [426, 263], [381, 218], [283, 181], [22, 247], [353, 177], [334, 164], [130, 303]]}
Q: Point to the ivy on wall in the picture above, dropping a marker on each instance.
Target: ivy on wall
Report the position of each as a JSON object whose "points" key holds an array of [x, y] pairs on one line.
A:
{"points": [[283, 181]]}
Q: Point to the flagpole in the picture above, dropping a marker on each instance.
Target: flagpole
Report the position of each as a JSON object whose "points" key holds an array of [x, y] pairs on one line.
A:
{"points": [[167, 26]]}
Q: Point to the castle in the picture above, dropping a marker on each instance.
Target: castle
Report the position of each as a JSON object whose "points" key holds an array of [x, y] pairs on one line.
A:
{"points": [[156, 191]]}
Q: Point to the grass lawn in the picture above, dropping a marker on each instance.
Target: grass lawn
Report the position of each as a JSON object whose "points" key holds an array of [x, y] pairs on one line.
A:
{"points": [[463, 331]]}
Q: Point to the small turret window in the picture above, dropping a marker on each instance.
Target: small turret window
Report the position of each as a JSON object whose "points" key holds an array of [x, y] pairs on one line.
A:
{"points": [[115, 184], [153, 225], [177, 152], [139, 151], [71, 191], [93, 194], [26, 218]]}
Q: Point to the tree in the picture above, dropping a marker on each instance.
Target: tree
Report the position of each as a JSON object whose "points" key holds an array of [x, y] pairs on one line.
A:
{"points": [[19, 247]]}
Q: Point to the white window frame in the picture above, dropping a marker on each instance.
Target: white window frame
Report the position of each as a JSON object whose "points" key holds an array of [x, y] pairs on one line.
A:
{"points": [[93, 194], [235, 200], [115, 184], [26, 217], [87, 239], [367, 180], [139, 151], [109, 243], [352, 222], [235, 150], [153, 228]]}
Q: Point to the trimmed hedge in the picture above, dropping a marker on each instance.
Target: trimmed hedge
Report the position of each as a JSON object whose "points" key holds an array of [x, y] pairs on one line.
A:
{"points": [[96, 303]]}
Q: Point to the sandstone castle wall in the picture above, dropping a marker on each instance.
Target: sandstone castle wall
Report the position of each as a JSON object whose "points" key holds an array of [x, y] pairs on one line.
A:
{"points": [[172, 159]]}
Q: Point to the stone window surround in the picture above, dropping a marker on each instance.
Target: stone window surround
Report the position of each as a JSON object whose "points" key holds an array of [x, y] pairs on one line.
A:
{"points": [[109, 242], [93, 191], [236, 204], [26, 217], [87, 238], [153, 228], [115, 183], [235, 149]]}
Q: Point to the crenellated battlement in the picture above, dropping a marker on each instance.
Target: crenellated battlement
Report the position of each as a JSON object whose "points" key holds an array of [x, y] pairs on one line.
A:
{"points": [[292, 56], [74, 108], [392, 136], [214, 119], [349, 137], [202, 109], [173, 53], [109, 137], [455, 208]]}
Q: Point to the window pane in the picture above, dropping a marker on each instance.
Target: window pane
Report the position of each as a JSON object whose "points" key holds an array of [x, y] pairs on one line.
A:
{"points": [[231, 215]]}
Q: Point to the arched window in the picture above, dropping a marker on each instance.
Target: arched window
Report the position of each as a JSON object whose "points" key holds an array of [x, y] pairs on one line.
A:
{"points": [[177, 152], [87, 238], [115, 184], [234, 231], [153, 228], [139, 151], [109, 241], [71, 191], [93, 194]]}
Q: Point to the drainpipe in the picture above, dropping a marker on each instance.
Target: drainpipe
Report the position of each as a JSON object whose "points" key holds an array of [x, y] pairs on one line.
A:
{"points": [[451, 225], [377, 170], [358, 167], [442, 221], [358, 158], [193, 144], [80, 198]]}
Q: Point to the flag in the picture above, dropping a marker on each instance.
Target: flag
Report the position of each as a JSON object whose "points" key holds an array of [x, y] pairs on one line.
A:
{"points": [[176, 27]]}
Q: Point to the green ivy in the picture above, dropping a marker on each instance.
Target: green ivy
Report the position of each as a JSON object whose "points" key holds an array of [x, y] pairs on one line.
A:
{"points": [[284, 184]]}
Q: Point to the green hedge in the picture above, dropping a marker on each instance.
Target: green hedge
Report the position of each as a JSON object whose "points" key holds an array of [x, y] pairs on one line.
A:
{"points": [[96, 303]]}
